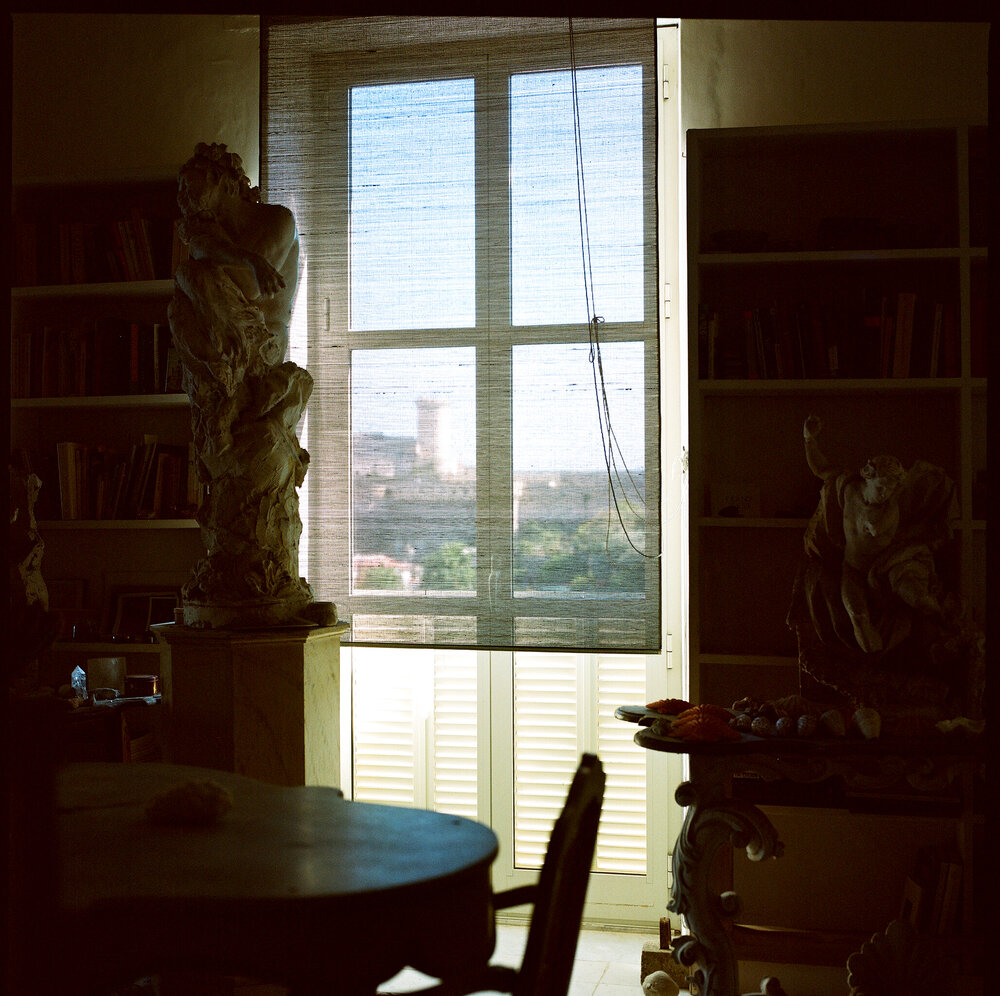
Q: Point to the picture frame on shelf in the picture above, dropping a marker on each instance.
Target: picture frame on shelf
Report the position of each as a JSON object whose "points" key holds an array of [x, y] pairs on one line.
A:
{"points": [[135, 599], [132, 611]]}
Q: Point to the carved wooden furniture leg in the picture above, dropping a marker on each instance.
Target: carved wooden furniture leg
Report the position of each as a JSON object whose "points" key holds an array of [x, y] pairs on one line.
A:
{"points": [[712, 821]]}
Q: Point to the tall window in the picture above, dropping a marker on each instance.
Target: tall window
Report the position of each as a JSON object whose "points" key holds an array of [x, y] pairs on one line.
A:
{"points": [[478, 228], [478, 309]]}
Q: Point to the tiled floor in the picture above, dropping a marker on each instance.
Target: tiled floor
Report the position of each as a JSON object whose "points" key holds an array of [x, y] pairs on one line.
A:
{"points": [[607, 963]]}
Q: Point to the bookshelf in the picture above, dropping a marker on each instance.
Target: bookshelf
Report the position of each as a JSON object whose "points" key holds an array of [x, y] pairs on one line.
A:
{"points": [[839, 271], [97, 407], [807, 236]]}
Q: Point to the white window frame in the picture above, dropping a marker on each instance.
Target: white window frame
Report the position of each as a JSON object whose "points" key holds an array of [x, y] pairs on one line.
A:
{"points": [[634, 900], [492, 338]]}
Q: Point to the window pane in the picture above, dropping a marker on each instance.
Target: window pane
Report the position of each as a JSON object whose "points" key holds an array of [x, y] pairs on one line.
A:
{"points": [[547, 283], [412, 238], [413, 470], [566, 539]]}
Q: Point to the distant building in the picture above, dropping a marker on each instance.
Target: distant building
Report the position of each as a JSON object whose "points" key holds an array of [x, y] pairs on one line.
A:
{"points": [[405, 509], [435, 445]]}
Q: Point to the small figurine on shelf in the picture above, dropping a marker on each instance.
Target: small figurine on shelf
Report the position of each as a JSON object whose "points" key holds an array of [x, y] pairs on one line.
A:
{"points": [[871, 612], [229, 316]]}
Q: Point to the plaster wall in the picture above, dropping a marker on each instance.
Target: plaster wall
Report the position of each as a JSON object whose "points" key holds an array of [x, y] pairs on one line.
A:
{"points": [[756, 73], [112, 94]]}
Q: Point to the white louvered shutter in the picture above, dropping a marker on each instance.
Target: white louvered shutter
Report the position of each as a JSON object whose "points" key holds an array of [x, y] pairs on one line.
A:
{"points": [[415, 721], [554, 722]]}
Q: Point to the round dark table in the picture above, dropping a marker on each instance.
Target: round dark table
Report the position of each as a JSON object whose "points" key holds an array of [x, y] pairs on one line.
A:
{"points": [[292, 885]]}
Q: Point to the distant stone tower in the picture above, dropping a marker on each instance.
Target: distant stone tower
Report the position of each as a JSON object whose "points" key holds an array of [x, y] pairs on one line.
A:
{"points": [[435, 444]]}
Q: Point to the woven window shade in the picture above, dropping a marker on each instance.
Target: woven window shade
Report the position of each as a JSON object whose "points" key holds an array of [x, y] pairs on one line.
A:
{"points": [[483, 474]]}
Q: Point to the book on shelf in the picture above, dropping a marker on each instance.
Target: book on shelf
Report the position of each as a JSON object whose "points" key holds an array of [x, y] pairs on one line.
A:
{"points": [[926, 313], [903, 346], [25, 253], [195, 488], [152, 480], [978, 324], [875, 335], [931, 895], [173, 374], [66, 462], [145, 457], [937, 323], [165, 489], [52, 247], [109, 371], [950, 887], [106, 357], [20, 364]]}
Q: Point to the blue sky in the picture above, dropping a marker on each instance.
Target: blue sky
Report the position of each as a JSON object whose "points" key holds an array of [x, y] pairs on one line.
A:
{"points": [[413, 256]]}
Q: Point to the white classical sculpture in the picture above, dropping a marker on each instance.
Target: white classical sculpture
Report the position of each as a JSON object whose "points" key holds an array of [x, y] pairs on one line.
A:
{"points": [[872, 612], [891, 521], [229, 317]]}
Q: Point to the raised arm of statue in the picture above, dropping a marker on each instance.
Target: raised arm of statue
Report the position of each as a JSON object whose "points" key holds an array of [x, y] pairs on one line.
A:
{"points": [[207, 239], [818, 463]]}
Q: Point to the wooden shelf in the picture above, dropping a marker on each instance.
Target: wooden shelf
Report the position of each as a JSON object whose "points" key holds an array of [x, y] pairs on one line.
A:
{"points": [[130, 524], [174, 400], [833, 385], [117, 288], [825, 256], [749, 660], [104, 647], [736, 522], [795, 947]]}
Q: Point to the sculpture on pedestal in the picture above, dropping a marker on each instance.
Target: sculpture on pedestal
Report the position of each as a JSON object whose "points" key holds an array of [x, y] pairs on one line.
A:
{"points": [[871, 610], [229, 316]]}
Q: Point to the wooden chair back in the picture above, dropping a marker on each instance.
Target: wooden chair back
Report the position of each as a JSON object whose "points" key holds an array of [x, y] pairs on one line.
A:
{"points": [[562, 887]]}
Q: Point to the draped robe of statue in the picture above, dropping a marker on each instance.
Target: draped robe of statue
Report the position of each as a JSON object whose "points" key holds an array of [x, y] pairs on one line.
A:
{"points": [[929, 655], [229, 318]]}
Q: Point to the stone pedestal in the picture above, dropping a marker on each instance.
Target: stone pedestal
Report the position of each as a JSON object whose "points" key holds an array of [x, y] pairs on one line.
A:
{"points": [[262, 703]]}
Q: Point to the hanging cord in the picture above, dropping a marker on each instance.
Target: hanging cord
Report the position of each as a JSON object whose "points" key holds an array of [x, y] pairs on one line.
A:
{"points": [[609, 441]]}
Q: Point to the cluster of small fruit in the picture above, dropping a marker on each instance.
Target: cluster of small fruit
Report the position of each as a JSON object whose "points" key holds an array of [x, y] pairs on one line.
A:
{"points": [[795, 715]]}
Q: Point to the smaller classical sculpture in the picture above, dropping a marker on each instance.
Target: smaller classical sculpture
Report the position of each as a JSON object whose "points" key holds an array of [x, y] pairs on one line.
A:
{"points": [[32, 626], [872, 613], [229, 317]]}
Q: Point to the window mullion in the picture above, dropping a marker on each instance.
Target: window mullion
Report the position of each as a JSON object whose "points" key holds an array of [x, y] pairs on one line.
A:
{"points": [[493, 401]]}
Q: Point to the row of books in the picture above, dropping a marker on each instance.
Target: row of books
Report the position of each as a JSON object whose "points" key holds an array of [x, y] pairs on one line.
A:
{"points": [[149, 480], [888, 335], [55, 251], [932, 892], [109, 356]]}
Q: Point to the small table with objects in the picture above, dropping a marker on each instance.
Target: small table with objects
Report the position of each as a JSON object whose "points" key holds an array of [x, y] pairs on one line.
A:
{"points": [[714, 818]]}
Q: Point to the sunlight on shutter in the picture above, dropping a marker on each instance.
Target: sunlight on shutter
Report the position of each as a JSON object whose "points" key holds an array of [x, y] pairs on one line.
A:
{"points": [[385, 755], [456, 704], [548, 742], [415, 716], [546, 748], [621, 843]]}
